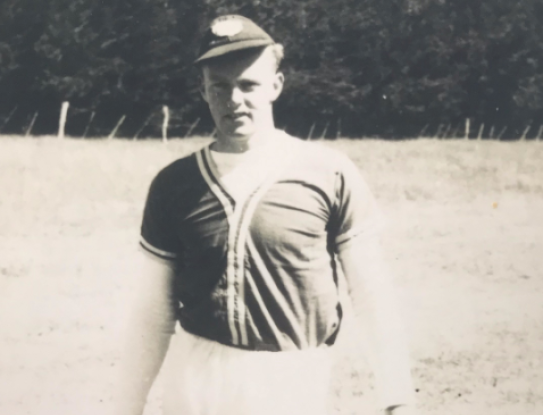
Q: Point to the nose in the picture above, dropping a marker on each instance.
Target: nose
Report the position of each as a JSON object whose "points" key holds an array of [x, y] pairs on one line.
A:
{"points": [[236, 98]]}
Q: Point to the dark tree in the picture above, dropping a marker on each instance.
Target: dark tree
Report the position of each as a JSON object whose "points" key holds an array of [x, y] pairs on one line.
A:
{"points": [[355, 67]]}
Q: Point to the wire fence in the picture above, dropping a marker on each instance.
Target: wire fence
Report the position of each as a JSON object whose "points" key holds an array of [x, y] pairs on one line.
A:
{"points": [[167, 120]]}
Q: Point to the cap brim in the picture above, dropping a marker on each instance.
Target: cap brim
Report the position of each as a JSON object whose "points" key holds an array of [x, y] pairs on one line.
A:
{"points": [[233, 47]]}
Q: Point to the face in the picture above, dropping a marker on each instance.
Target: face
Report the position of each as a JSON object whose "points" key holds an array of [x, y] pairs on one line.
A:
{"points": [[240, 92]]}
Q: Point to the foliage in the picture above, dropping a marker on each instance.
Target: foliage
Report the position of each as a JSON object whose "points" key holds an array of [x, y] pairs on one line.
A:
{"points": [[353, 67]]}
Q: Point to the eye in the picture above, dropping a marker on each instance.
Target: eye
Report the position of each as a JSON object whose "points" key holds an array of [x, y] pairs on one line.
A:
{"points": [[248, 86], [220, 86]]}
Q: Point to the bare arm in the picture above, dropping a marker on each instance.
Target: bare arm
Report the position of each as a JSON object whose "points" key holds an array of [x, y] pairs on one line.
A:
{"points": [[148, 334], [375, 305]]}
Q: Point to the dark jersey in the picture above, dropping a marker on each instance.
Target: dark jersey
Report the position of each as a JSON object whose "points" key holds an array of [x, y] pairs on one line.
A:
{"points": [[260, 273]]}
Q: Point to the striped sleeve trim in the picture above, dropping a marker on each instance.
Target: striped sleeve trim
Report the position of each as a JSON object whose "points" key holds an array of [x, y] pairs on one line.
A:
{"points": [[155, 251]]}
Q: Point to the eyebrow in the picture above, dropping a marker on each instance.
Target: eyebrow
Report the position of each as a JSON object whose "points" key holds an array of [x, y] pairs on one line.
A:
{"points": [[246, 80]]}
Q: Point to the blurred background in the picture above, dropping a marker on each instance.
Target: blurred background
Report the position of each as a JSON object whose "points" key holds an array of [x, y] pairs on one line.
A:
{"points": [[392, 69]]}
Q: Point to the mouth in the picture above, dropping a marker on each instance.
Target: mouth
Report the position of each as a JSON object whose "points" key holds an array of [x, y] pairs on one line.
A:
{"points": [[236, 116]]}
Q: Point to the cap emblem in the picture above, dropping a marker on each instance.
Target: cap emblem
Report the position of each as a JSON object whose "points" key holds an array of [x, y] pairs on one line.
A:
{"points": [[227, 27]]}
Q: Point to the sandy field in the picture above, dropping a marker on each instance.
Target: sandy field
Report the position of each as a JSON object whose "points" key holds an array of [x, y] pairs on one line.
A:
{"points": [[465, 241]]}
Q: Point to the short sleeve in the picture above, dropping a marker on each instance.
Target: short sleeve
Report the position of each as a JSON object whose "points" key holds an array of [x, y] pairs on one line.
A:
{"points": [[355, 210], [157, 230]]}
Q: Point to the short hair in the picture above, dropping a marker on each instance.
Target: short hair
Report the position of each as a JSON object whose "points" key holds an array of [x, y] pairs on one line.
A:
{"points": [[276, 49], [278, 52]]}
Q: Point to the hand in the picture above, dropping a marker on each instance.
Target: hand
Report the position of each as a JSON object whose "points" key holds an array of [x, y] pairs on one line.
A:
{"points": [[401, 410]]}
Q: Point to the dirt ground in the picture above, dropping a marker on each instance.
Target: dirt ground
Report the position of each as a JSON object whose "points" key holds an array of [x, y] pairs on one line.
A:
{"points": [[465, 241]]}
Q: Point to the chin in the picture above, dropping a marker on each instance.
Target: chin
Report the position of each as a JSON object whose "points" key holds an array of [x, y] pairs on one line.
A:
{"points": [[244, 133], [240, 133]]}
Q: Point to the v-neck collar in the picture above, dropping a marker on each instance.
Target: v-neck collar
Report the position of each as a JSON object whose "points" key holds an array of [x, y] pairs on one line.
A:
{"points": [[214, 173], [280, 138]]}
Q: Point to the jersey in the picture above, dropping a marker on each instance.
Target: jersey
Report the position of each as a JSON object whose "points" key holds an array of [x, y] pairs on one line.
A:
{"points": [[260, 272], [241, 172]]}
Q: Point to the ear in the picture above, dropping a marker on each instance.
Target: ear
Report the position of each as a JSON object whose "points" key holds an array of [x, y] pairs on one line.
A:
{"points": [[278, 83], [202, 88]]}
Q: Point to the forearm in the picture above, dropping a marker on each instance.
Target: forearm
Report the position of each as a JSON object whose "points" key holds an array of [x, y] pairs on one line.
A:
{"points": [[146, 340], [376, 309]]}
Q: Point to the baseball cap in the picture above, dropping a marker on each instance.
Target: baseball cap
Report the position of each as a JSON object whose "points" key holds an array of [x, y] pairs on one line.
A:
{"points": [[231, 33]]}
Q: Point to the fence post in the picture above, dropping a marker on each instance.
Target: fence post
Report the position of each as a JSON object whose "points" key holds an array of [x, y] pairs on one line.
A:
{"points": [[501, 133], [446, 131], [62, 121], [540, 132], [481, 129], [523, 137], [29, 129], [310, 134], [88, 124], [9, 117], [423, 131], [114, 131], [166, 112], [491, 133], [438, 131], [466, 131], [324, 131]]}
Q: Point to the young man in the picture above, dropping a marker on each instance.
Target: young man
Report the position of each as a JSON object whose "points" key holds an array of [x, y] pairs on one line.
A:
{"points": [[244, 240]]}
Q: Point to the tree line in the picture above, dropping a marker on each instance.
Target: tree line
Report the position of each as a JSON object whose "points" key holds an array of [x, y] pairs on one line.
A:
{"points": [[388, 68]]}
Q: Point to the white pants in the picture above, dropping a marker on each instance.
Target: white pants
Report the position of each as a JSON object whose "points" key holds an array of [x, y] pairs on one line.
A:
{"points": [[203, 377]]}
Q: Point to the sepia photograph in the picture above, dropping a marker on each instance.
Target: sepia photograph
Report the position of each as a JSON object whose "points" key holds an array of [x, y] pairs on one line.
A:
{"points": [[225, 207]]}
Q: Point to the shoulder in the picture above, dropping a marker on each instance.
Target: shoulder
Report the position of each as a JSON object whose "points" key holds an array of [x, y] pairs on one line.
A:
{"points": [[322, 155], [181, 172]]}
